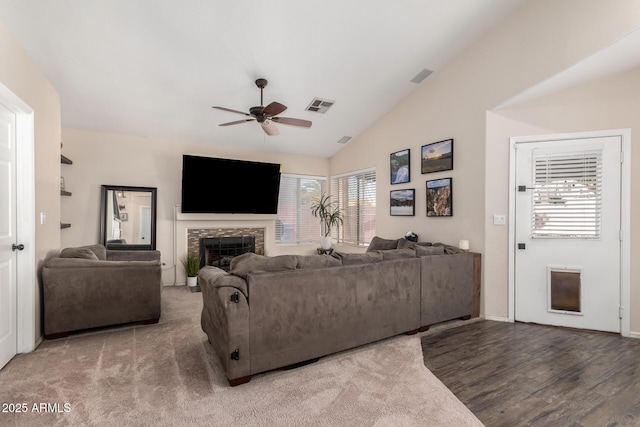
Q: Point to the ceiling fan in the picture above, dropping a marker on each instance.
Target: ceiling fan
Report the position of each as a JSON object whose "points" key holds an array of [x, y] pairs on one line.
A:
{"points": [[266, 116]]}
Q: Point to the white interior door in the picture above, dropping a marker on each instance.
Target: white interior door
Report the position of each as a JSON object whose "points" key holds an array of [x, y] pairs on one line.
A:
{"points": [[567, 231], [8, 258], [145, 225]]}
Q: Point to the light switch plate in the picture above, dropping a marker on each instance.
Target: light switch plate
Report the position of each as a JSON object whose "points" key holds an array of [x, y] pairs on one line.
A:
{"points": [[499, 219]]}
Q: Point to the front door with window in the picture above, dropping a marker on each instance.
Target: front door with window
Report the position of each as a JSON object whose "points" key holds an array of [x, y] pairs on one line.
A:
{"points": [[567, 255]]}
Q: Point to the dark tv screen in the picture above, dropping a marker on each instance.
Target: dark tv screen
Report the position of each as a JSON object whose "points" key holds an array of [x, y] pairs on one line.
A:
{"points": [[214, 185]]}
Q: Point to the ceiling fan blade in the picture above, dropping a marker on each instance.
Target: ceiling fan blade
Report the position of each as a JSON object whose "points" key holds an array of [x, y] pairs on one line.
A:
{"points": [[274, 109], [292, 121], [231, 111], [270, 129], [237, 122]]}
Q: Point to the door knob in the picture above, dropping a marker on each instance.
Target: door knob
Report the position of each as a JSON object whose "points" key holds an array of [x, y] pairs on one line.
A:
{"points": [[15, 247]]}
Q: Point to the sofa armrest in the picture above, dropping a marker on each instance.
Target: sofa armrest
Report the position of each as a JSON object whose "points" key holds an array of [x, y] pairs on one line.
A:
{"points": [[447, 283], [218, 278], [225, 320]]}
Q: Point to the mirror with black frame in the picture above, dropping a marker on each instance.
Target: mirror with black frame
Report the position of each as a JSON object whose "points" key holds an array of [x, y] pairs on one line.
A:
{"points": [[128, 217]]}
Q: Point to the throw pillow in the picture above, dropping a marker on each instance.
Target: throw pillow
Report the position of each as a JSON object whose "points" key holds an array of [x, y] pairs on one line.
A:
{"points": [[429, 250], [408, 244], [380, 244], [317, 261], [82, 252]]}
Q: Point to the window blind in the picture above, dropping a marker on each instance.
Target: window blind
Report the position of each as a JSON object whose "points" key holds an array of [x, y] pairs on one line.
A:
{"points": [[567, 196], [294, 223], [356, 196]]}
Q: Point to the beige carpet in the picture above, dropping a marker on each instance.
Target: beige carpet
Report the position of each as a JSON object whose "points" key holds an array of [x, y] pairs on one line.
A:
{"points": [[166, 375]]}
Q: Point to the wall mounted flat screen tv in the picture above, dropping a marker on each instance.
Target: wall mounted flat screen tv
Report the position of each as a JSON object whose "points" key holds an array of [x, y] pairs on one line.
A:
{"points": [[214, 185]]}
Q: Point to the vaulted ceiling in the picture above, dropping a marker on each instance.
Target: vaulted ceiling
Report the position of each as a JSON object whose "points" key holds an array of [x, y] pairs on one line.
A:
{"points": [[156, 67]]}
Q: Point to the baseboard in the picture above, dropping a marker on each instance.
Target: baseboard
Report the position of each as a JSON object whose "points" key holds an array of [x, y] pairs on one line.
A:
{"points": [[497, 318], [635, 335]]}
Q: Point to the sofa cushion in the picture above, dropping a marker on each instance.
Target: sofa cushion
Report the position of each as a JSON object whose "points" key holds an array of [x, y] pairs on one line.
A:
{"points": [[408, 244], [380, 244], [429, 250], [250, 263], [448, 249], [82, 253], [317, 261], [99, 250], [398, 254], [358, 258]]}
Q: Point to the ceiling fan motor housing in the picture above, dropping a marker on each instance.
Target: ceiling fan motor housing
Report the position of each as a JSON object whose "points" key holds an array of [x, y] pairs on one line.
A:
{"points": [[257, 112]]}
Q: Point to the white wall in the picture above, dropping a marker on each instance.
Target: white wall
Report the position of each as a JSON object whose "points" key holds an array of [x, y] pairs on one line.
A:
{"points": [[610, 103], [539, 40], [103, 158], [21, 75]]}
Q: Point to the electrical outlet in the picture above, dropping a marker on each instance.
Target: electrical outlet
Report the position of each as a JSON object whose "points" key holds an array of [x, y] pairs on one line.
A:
{"points": [[499, 219]]}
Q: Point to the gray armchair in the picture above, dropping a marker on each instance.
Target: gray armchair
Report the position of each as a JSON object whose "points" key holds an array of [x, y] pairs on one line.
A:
{"points": [[89, 287]]}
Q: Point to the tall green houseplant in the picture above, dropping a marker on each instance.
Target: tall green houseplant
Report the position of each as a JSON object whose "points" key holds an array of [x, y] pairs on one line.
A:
{"points": [[329, 214]]}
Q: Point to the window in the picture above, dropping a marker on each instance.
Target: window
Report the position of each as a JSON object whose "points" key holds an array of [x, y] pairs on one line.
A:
{"points": [[295, 223], [567, 196], [356, 196]]}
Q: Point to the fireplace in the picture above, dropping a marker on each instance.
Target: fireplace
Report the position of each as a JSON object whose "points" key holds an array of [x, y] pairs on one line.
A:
{"points": [[219, 251]]}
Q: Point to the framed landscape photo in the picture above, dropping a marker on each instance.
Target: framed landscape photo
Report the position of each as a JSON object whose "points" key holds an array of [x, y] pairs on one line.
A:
{"points": [[402, 202], [399, 163], [437, 157], [439, 197]]}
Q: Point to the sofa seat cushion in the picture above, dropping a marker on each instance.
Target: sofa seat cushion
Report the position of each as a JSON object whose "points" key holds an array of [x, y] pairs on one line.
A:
{"points": [[247, 263], [355, 259], [317, 261], [429, 250], [380, 244]]}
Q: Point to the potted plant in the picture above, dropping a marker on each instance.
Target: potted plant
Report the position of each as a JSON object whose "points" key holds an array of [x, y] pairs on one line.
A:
{"points": [[191, 265], [330, 216]]}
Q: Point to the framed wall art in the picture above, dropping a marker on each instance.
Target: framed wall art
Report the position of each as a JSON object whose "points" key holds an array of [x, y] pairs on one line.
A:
{"points": [[399, 164], [402, 202], [437, 156], [439, 197]]}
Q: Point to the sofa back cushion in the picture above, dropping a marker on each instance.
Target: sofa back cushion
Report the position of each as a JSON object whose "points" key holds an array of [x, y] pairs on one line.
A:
{"points": [[354, 259], [95, 252], [429, 250], [250, 263], [380, 244], [398, 254], [317, 261]]}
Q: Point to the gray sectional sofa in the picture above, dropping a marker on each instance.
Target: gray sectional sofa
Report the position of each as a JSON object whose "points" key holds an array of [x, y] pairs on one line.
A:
{"points": [[272, 312]]}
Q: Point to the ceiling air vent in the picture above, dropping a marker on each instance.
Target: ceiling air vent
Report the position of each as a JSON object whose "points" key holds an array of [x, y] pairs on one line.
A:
{"points": [[421, 76], [344, 140], [320, 105]]}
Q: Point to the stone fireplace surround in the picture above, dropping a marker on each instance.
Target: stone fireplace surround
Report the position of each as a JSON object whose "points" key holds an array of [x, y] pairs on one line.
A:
{"points": [[189, 228]]}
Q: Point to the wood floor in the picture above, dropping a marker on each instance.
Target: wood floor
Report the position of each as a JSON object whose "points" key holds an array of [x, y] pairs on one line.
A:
{"points": [[530, 375]]}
